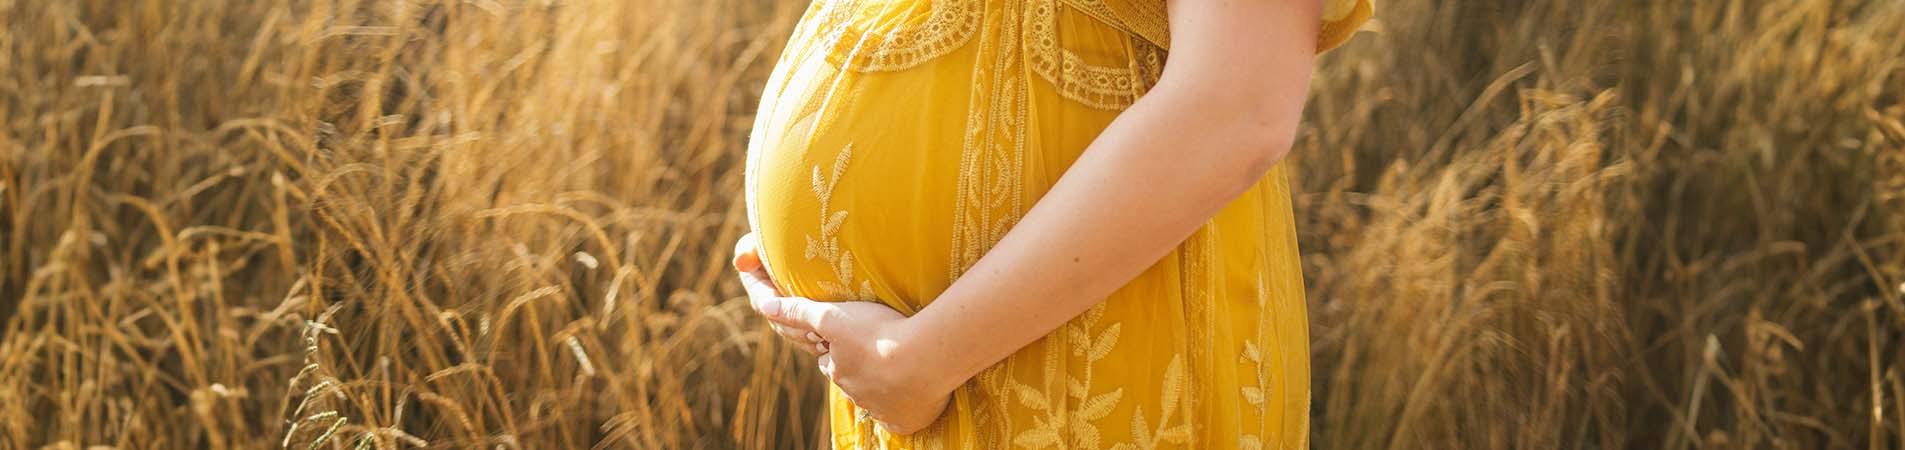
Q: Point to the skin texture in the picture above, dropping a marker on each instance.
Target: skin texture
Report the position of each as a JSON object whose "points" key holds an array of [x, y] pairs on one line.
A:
{"points": [[1223, 114]]}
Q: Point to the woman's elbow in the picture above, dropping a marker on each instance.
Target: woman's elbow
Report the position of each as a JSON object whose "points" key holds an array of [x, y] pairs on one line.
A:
{"points": [[1259, 132], [1263, 146], [1254, 133]]}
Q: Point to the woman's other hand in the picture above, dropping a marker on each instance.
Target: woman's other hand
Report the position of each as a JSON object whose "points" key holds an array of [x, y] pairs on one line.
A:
{"points": [[872, 356], [861, 346], [761, 292]]}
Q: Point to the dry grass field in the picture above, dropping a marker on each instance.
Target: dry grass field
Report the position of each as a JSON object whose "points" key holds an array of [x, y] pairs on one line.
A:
{"points": [[335, 224]]}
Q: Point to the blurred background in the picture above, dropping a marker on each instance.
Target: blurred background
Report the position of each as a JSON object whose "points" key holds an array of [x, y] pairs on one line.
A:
{"points": [[506, 224]]}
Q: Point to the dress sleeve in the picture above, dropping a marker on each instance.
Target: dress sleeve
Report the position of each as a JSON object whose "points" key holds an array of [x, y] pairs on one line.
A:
{"points": [[1341, 19], [1148, 20]]}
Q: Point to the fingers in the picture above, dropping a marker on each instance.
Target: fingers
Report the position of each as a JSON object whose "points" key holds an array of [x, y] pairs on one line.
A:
{"points": [[747, 253], [754, 276], [802, 313], [826, 365], [892, 428], [899, 426], [806, 341], [903, 425], [796, 335], [770, 304], [767, 302], [817, 348], [764, 297], [810, 348], [759, 289]]}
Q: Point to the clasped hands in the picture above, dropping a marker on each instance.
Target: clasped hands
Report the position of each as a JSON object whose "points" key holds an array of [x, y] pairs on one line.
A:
{"points": [[866, 349]]}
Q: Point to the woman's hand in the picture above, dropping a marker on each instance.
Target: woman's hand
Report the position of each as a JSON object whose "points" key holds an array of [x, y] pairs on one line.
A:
{"points": [[862, 347], [760, 289], [872, 358]]}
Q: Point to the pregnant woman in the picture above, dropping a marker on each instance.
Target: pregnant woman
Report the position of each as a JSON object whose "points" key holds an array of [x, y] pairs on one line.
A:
{"points": [[1041, 223]]}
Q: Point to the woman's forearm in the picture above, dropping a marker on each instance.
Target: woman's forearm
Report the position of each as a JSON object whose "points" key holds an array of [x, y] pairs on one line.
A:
{"points": [[1162, 169]]}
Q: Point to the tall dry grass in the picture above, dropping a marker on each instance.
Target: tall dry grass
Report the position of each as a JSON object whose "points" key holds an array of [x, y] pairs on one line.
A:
{"points": [[1611, 224], [485, 223]]}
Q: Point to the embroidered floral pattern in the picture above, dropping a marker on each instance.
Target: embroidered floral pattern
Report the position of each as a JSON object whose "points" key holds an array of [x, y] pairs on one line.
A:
{"points": [[827, 246], [1074, 426], [1257, 393], [1143, 435]]}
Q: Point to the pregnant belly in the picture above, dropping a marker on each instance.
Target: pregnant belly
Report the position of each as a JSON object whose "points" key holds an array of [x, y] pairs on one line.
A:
{"points": [[864, 185], [854, 200]]}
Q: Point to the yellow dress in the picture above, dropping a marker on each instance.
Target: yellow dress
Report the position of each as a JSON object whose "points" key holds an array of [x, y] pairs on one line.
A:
{"points": [[897, 140]]}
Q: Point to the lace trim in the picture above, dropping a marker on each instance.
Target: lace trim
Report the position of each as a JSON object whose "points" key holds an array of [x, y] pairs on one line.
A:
{"points": [[1146, 18], [992, 164], [1103, 87], [1198, 286], [949, 25], [988, 198]]}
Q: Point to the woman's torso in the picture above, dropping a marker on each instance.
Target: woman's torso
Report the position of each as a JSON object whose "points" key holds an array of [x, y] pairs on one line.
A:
{"points": [[899, 139]]}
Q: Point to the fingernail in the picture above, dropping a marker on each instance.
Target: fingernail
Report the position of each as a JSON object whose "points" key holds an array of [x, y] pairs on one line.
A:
{"points": [[824, 348], [772, 308], [813, 337]]}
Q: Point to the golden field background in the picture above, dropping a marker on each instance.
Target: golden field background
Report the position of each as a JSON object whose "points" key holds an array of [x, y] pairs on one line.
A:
{"points": [[505, 224]]}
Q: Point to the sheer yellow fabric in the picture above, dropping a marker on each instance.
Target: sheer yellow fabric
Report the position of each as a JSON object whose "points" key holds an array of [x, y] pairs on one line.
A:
{"points": [[899, 139]]}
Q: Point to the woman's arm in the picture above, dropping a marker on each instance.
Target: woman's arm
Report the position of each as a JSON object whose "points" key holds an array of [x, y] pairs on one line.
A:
{"points": [[1224, 112]]}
